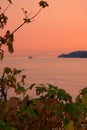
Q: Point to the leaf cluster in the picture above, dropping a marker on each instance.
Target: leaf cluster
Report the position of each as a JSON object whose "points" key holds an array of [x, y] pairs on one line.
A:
{"points": [[43, 4], [45, 112], [3, 20], [9, 80], [53, 107], [7, 40]]}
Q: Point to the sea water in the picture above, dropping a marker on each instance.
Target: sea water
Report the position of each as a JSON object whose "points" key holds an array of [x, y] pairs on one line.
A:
{"points": [[67, 73]]}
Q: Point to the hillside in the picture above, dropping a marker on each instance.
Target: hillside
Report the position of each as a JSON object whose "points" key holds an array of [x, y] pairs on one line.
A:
{"points": [[76, 54]]}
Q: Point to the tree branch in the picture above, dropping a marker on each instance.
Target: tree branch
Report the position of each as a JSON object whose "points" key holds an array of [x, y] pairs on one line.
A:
{"points": [[6, 8]]}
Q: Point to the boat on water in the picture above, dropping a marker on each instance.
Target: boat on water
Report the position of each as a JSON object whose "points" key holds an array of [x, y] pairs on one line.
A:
{"points": [[30, 57]]}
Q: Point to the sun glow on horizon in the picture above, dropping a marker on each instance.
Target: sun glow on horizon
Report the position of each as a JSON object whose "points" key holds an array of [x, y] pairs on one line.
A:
{"points": [[62, 27]]}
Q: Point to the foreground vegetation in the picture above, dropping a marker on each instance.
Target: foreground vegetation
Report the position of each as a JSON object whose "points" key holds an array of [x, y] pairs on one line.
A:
{"points": [[53, 109]]}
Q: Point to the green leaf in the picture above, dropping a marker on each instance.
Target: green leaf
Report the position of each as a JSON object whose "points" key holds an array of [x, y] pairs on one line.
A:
{"points": [[56, 110], [6, 126], [76, 111], [52, 87], [28, 112], [2, 40], [7, 70], [52, 90], [3, 20], [23, 78], [82, 97], [32, 113], [43, 3], [31, 86], [11, 79], [16, 72], [38, 91], [10, 40], [20, 90], [84, 91], [63, 95]]}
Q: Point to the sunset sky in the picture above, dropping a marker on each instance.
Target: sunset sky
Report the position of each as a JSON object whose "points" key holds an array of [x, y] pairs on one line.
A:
{"points": [[60, 28]]}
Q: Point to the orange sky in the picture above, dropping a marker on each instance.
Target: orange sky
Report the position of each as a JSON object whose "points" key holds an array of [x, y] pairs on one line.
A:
{"points": [[60, 28]]}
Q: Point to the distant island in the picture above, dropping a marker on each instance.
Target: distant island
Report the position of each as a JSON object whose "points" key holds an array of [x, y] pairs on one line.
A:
{"points": [[76, 54]]}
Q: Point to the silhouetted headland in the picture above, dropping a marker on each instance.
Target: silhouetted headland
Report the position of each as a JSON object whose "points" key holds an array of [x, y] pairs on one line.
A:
{"points": [[76, 54]]}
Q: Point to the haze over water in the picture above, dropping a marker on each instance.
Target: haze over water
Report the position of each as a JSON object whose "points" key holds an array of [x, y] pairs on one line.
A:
{"points": [[69, 74]]}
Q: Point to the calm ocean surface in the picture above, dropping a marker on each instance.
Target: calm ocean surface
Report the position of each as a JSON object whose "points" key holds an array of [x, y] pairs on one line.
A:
{"points": [[66, 73]]}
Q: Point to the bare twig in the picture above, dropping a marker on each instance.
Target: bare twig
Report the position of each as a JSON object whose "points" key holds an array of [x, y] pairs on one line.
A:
{"points": [[36, 13], [6, 8], [27, 20], [18, 27]]}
